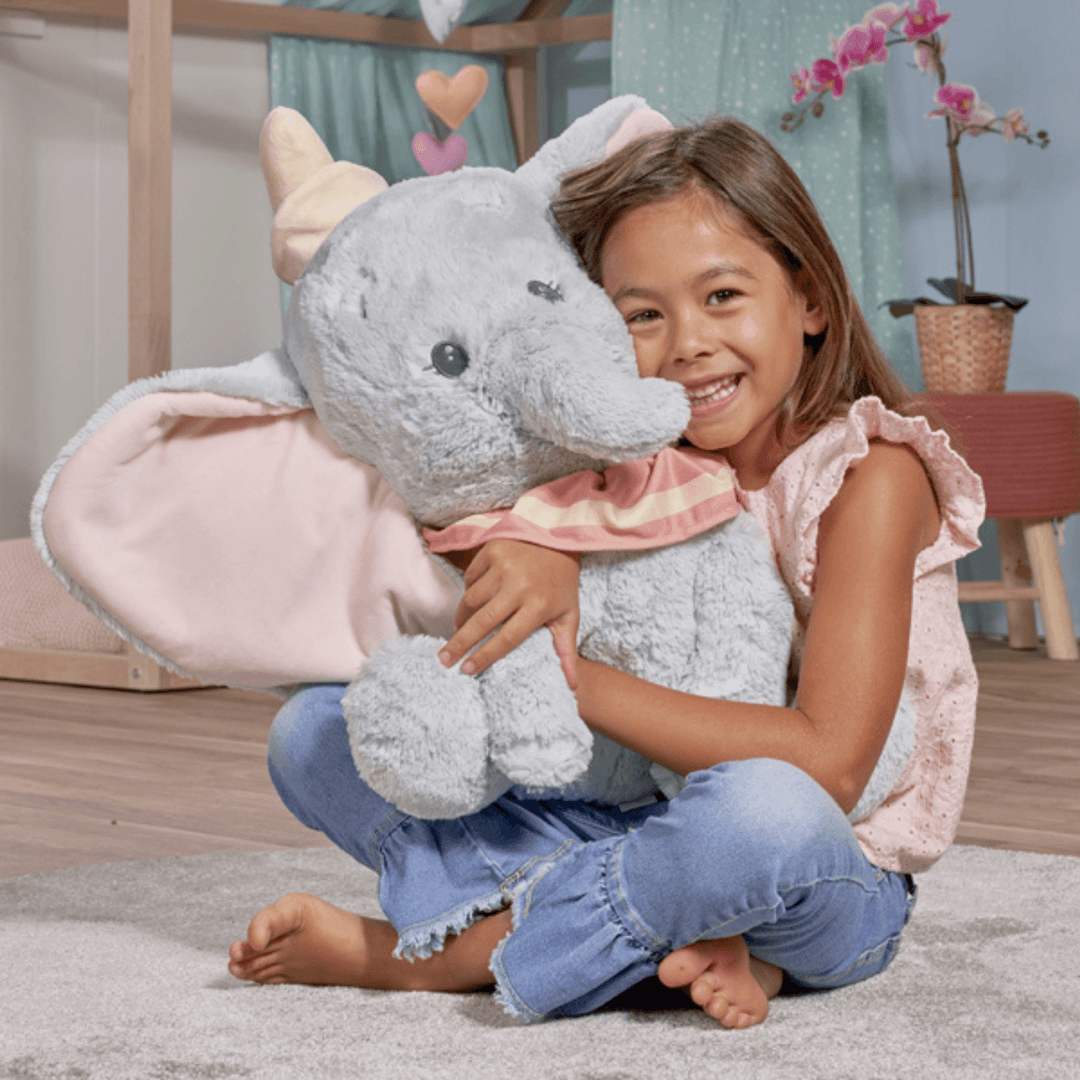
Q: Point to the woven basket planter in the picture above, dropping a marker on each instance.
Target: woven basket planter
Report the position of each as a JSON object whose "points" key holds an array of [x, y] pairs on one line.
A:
{"points": [[963, 348]]}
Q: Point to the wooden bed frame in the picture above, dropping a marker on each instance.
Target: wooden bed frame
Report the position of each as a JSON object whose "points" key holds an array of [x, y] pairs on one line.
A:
{"points": [[151, 25]]}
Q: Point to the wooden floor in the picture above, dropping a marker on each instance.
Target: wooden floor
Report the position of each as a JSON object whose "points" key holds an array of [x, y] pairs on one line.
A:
{"points": [[98, 775]]}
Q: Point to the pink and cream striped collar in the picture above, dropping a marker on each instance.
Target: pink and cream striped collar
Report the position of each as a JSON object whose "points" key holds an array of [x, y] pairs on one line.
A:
{"points": [[651, 502]]}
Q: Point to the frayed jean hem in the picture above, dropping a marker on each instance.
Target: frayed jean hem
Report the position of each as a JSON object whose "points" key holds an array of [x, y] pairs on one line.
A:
{"points": [[511, 1002], [420, 940]]}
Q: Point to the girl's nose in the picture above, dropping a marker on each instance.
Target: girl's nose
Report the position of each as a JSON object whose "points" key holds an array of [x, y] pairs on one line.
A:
{"points": [[693, 337]]}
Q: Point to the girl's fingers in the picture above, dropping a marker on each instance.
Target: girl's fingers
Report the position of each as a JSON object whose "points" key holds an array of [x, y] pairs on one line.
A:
{"points": [[475, 628], [476, 598], [509, 636]]}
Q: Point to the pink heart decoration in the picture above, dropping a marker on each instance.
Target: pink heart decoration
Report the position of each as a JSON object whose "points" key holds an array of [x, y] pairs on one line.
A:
{"points": [[438, 157]]}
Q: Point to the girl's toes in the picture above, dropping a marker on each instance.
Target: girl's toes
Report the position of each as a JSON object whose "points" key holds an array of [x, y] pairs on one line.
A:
{"points": [[250, 972], [242, 969], [253, 967], [683, 965], [704, 988], [239, 951], [719, 1008]]}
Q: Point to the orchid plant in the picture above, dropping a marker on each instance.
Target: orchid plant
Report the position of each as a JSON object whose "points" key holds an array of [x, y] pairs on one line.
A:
{"points": [[960, 106]]}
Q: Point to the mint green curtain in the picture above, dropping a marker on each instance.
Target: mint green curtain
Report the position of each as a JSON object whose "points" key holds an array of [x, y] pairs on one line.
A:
{"points": [[362, 100], [689, 59]]}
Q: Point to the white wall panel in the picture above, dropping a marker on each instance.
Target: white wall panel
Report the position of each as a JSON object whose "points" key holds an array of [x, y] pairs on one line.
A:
{"points": [[63, 230]]}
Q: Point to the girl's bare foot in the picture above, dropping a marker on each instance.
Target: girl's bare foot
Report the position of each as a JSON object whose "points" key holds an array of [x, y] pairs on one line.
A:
{"points": [[302, 939], [722, 977]]}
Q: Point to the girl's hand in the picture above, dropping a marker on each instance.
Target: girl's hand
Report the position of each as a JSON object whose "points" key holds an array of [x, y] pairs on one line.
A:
{"points": [[516, 587]]}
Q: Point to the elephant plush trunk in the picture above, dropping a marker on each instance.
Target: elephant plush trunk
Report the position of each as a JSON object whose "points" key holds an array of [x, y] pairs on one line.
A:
{"points": [[582, 392]]}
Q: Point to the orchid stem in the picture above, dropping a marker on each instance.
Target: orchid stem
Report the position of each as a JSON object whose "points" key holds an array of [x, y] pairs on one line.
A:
{"points": [[965, 255]]}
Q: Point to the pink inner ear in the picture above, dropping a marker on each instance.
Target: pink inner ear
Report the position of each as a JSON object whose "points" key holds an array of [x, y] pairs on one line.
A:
{"points": [[237, 540], [640, 122]]}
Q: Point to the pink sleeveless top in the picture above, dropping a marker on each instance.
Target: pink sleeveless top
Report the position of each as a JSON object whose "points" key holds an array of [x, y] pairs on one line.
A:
{"points": [[917, 822]]}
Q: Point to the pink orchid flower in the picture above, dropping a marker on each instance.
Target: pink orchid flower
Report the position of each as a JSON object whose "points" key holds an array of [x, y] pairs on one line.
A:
{"points": [[980, 118], [827, 76], [924, 20], [886, 14], [957, 100], [860, 46], [801, 81], [924, 53], [1012, 124]]}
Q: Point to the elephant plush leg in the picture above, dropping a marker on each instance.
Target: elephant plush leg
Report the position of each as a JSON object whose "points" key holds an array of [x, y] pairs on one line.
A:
{"points": [[537, 738], [419, 732]]}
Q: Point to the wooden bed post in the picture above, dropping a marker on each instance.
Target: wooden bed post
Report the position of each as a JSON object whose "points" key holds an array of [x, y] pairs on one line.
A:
{"points": [[149, 187], [521, 76], [522, 83]]}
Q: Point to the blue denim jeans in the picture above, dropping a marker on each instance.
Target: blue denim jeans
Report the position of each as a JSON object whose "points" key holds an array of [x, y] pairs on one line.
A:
{"points": [[601, 895]]}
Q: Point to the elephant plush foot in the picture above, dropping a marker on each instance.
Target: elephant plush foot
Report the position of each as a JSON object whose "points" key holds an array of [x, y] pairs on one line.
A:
{"points": [[419, 733], [554, 764], [537, 738]]}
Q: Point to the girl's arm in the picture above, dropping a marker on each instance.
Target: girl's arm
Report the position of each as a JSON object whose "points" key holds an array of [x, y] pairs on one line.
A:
{"points": [[853, 662]]}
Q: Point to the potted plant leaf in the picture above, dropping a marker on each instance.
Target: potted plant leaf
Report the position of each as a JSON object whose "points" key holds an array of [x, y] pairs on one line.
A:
{"points": [[964, 344]]}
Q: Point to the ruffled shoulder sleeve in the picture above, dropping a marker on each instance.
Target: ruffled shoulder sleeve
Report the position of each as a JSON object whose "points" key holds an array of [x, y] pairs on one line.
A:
{"points": [[807, 481]]}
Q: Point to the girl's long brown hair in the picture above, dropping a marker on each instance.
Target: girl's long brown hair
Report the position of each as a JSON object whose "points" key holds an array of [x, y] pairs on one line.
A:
{"points": [[744, 172]]}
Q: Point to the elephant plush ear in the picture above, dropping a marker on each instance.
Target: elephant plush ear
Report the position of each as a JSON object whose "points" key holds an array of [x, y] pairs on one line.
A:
{"points": [[590, 138], [207, 518], [309, 191]]}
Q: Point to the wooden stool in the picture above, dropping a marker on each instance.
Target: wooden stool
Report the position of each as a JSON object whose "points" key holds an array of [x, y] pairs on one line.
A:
{"points": [[1026, 448]]}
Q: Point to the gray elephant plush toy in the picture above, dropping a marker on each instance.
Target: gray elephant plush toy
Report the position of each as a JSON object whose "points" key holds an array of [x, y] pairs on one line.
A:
{"points": [[445, 356]]}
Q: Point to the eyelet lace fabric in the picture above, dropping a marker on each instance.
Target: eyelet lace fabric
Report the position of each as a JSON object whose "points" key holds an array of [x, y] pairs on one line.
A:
{"points": [[915, 825]]}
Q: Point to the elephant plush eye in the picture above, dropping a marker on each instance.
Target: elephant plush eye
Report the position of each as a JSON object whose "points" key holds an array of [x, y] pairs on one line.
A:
{"points": [[449, 359], [548, 292]]}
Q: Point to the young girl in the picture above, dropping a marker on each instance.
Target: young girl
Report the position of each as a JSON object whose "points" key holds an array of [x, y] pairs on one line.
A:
{"points": [[711, 249]]}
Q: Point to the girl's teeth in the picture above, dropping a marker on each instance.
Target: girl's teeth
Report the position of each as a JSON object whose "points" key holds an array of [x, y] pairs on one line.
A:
{"points": [[717, 391]]}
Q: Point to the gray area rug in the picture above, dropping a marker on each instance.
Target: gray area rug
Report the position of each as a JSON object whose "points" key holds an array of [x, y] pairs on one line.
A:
{"points": [[117, 971]]}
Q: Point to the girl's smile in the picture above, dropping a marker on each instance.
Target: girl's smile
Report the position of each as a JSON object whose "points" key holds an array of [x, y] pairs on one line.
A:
{"points": [[710, 396], [712, 309]]}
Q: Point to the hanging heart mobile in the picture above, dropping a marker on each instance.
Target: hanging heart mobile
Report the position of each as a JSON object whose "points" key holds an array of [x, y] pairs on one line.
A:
{"points": [[447, 102]]}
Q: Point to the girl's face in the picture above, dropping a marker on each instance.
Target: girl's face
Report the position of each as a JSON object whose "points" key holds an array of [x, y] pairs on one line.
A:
{"points": [[710, 308]]}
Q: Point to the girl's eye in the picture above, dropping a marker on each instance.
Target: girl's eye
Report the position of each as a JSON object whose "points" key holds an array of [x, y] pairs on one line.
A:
{"points": [[722, 294], [643, 316]]}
